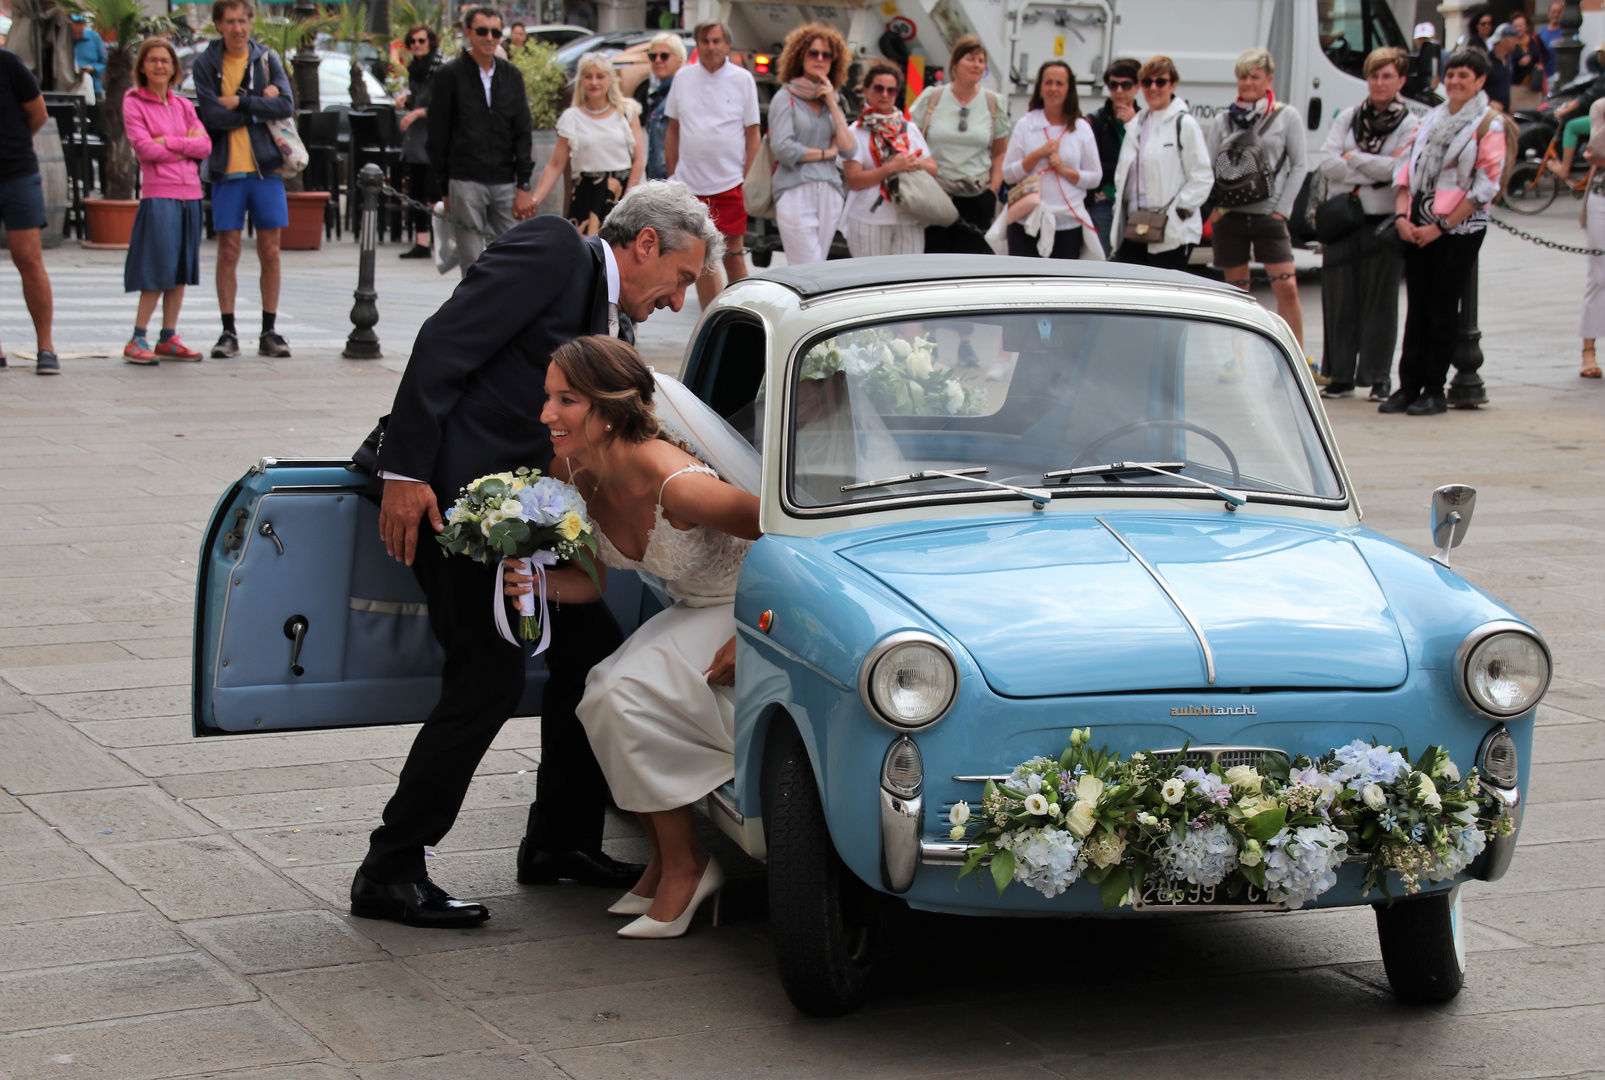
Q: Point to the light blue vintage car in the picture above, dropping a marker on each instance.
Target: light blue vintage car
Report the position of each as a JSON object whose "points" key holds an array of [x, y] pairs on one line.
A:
{"points": [[1002, 499]]}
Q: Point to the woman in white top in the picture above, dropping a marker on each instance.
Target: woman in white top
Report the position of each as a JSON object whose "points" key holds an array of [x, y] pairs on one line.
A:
{"points": [[1053, 162], [660, 712], [599, 146], [888, 145], [1164, 166]]}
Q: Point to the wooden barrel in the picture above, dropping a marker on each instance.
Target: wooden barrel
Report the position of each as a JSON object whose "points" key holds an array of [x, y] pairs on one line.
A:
{"points": [[53, 177]]}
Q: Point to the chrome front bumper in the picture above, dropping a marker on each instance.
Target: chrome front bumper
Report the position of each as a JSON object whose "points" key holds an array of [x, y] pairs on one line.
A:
{"points": [[1495, 858]]}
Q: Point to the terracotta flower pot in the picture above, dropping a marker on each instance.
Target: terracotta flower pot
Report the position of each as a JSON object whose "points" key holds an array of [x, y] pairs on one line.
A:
{"points": [[111, 222], [305, 231]]}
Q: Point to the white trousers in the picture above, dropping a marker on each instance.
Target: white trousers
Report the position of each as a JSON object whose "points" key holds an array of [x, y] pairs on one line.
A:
{"points": [[1593, 321], [806, 217], [864, 239]]}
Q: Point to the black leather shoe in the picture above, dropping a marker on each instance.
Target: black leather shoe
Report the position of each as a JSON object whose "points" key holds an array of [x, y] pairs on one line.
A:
{"points": [[537, 867], [1429, 405], [414, 903], [1398, 401]]}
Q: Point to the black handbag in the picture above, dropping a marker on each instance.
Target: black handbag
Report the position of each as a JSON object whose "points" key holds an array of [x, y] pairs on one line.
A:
{"points": [[1338, 216]]}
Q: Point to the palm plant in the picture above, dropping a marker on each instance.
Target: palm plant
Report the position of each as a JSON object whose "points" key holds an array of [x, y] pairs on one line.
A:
{"points": [[284, 36], [406, 14], [348, 24], [122, 23]]}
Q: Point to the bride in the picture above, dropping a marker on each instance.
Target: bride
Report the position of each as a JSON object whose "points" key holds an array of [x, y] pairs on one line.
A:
{"points": [[660, 712]]}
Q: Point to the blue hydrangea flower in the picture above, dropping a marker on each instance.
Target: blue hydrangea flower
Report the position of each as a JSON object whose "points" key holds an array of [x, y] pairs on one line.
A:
{"points": [[1046, 859], [1201, 856], [1301, 864], [1362, 764]]}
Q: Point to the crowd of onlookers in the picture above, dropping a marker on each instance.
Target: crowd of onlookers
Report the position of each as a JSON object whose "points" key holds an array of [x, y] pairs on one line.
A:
{"points": [[1137, 181]]}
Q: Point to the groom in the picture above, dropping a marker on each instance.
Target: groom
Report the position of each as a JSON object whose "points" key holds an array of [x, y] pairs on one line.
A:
{"points": [[469, 404]]}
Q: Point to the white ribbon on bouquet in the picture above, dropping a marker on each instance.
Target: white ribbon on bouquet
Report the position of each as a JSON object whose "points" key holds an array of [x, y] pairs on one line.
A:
{"points": [[526, 601]]}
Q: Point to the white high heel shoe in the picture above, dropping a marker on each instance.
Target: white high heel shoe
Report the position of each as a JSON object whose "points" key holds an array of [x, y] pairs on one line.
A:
{"points": [[631, 903], [648, 927]]}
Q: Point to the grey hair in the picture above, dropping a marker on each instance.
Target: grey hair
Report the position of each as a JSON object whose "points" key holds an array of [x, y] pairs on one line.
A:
{"points": [[668, 208], [675, 43], [1255, 58], [704, 27]]}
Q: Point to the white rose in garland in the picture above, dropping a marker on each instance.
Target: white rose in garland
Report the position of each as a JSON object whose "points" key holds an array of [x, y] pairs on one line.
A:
{"points": [[1374, 796], [1082, 819], [1174, 790], [960, 814], [1037, 803]]}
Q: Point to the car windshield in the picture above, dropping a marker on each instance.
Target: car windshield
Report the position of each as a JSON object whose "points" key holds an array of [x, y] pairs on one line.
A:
{"points": [[1040, 400]]}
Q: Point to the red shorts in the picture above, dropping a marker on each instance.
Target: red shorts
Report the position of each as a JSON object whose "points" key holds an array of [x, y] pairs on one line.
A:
{"points": [[728, 211]]}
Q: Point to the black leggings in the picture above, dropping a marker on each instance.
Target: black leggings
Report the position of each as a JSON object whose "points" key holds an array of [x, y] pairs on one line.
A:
{"points": [[1437, 279], [1139, 255], [1066, 243], [967, 235], [421, 186]]}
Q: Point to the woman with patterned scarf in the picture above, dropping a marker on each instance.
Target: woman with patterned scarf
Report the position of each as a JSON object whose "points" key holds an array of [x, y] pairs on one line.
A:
{"points": [[887, 145], [809, 136], [1450, 175], [1360, 272]]}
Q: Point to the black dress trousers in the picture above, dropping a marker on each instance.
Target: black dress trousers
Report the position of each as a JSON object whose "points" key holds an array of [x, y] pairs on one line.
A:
{"points": [[481, 685]]}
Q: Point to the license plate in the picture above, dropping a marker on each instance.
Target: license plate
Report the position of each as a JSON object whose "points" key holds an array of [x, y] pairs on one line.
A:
{"points": [[1161, 894]]}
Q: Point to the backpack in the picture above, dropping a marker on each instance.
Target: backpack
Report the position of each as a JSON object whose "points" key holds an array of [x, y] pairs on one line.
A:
{"points": [[1243, 175]]}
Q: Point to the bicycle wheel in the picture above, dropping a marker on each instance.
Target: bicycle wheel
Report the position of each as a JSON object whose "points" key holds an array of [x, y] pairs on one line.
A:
{"points": [[1531, 189]]}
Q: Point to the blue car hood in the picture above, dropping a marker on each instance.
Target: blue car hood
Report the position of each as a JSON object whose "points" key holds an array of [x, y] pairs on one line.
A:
{"points": [[1058, 605]]}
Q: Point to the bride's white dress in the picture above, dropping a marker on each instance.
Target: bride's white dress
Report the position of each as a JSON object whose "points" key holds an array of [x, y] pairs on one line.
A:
{"points": [[664, 735]]}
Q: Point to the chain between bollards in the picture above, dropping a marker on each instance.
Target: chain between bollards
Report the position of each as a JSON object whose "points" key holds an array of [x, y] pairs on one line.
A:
{"points": [[363, 344]]}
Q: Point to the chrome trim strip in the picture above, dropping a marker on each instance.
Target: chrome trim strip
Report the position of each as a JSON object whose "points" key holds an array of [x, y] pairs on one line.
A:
{"points": [[901, 820], [717, 798], [388, 607], [944, 852], [1477, 637], [1198, 631], [996, 778], [1213, 752]]}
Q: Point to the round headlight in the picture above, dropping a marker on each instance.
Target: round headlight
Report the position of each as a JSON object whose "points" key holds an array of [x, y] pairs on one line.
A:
{"points": [[911, 682], [1506, 673]]}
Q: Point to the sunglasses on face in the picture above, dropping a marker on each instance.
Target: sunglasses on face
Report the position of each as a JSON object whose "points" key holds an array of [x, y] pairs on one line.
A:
{"points": [[1121, 84], [658, 56], [418, 41], [815, 54], [879, 89], [492, 32], [1160, 81]]}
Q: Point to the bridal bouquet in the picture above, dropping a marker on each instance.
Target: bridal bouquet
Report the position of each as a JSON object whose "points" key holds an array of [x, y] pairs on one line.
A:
{"points": [[1157, 825], [522, 515]]}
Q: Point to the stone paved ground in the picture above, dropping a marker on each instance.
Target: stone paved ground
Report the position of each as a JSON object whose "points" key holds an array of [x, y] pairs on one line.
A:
{"points": [[173, 908]]}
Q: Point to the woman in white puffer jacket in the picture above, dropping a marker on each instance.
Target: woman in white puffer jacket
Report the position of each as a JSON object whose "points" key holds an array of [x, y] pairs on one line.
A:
{"points": [[1175, 174]]}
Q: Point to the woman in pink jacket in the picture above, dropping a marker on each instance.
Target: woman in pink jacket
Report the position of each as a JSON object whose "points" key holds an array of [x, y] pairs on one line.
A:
{"points": [[164, 253]]}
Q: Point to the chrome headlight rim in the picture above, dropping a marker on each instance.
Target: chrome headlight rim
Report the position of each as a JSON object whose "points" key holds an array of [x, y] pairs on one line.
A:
{"points": [[1463, 659], [866, 672]]}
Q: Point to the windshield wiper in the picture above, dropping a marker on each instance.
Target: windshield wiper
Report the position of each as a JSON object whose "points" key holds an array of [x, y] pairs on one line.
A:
{"points": [[1234, 499], [1039, 498]]}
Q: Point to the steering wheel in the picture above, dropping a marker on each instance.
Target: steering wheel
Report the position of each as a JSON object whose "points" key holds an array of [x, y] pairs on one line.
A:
{"points": [[1143, 425]]}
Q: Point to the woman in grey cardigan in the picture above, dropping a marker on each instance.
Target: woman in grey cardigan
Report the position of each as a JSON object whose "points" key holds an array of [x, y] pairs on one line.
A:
{"points": [[1259, 230], [808, 133], [1360, 271]]}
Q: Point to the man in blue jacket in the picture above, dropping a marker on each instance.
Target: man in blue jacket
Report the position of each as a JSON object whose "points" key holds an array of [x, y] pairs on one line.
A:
{"points": [[89, 53], [240, 87]]}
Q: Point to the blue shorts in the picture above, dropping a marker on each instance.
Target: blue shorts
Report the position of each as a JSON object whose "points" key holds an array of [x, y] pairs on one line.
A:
{"points": [[22, 202], [263, 196]]}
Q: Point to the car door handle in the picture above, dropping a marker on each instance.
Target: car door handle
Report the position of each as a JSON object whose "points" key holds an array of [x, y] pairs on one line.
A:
{"points": [[267, 531], [295, 628]]}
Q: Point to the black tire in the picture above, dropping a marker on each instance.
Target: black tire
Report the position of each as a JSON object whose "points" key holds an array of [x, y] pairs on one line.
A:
{"points": [[1423, 947], [825, 922], [1532, 188]]}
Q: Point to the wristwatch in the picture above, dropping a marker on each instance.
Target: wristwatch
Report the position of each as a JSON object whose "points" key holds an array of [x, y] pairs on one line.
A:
{"points": [[524, 186]]}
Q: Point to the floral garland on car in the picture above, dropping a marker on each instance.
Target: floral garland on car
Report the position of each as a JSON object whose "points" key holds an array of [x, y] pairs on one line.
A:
{"points": [[901, 377], [1283, 828]]}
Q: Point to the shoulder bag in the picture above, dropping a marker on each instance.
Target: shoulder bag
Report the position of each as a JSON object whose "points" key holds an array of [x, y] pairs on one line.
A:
{"points": [[284, 133], [758, 187], [1336, 216], [918, 195], [1148, 226]]}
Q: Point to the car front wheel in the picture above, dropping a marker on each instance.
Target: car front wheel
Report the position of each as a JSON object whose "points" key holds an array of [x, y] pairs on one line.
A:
{"points": [[1423, 947], [825, 921]]}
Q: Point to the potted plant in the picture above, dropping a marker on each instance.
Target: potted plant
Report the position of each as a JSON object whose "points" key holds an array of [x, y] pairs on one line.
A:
{"points": [[122, 23], [545, 83]]}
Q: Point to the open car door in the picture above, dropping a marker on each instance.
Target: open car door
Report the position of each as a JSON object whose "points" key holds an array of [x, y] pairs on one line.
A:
{"points": [[303, 621]]}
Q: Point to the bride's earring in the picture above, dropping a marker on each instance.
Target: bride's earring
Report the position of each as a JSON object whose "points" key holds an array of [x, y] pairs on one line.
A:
{"points": [[610, 427]]}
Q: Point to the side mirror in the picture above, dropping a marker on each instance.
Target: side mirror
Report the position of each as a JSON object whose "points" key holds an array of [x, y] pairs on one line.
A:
{"points": [[1452, 505]]}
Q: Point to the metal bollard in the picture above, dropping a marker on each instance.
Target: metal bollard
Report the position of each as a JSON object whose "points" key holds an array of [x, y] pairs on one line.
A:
{"points": [[363, 343], [1466, 389]]}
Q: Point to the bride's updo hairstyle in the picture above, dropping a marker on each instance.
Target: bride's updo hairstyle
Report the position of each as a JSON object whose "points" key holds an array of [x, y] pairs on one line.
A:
{"points": [[618, 383]]}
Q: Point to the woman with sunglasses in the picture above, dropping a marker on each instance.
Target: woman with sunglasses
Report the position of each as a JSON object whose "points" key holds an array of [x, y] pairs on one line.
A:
{"points": [[1480, 24], [1109, 129], [1165, 167], [808, 135], [666, 55], [888, 146], [967, 127], [423, 49], [1053, 162], [599, 145]]}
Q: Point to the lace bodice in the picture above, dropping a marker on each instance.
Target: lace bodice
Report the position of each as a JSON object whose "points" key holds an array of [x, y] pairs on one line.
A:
{"points": [[698, 565]]}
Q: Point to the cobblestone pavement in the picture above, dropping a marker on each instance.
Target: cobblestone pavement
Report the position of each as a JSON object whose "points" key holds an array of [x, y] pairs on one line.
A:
{"points": [[174, 908]]}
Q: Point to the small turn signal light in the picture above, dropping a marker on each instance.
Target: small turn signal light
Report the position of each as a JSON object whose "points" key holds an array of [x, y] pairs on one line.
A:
{"points": [[761, 64], [766, 620]]}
